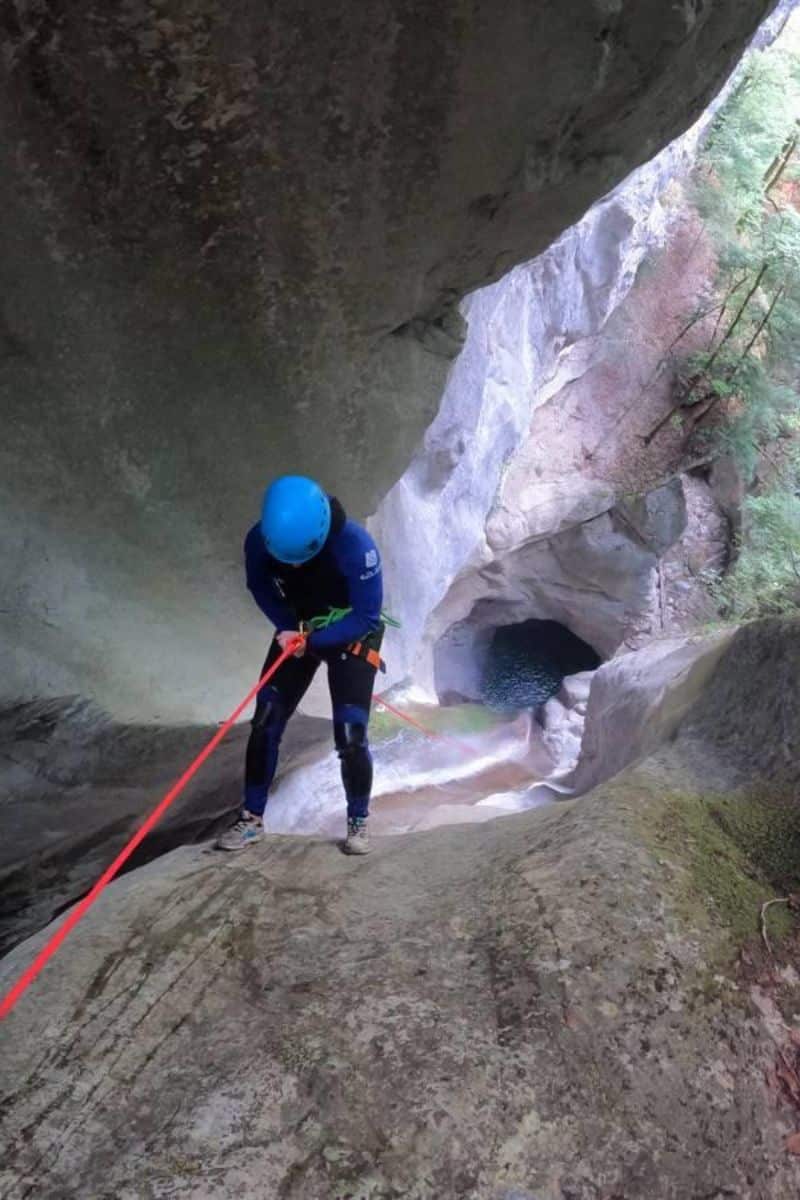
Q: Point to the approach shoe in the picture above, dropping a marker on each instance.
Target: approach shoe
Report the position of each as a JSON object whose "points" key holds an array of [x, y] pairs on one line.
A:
{"points": [[357, 839], [248, 829]]}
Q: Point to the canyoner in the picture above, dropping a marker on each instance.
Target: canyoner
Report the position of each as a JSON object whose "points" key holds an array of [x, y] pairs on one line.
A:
{"points": [[316, 575]]}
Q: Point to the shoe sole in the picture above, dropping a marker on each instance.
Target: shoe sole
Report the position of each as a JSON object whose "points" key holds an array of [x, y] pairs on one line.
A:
{"points": [[351, 850], [237, 849]]}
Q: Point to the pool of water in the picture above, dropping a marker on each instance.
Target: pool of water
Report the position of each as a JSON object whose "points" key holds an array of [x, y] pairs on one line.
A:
{"points": [[527, 662]]}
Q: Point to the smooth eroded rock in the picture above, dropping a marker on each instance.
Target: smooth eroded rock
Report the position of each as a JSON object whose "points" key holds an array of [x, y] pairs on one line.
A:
{"points": [[234, 239]]}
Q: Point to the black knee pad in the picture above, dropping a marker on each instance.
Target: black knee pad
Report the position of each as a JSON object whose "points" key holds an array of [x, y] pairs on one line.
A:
{"points": [[350, 738], [352, 747], [270, 714]]}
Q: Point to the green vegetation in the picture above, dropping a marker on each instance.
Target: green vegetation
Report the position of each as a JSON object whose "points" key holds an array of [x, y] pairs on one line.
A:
{"points": [[740, 394], [738, 850], [457, 719], [765, 578], [742, 192]]}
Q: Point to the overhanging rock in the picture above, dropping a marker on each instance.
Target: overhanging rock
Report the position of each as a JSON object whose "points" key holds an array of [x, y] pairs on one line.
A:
{"points": [[234, 236]]}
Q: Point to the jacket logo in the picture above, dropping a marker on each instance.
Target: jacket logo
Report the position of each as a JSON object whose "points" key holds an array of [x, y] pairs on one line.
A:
{"points": [[372, 564]]}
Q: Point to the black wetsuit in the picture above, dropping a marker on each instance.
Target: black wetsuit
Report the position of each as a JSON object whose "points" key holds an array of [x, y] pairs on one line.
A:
{"points": [[345, 574]]}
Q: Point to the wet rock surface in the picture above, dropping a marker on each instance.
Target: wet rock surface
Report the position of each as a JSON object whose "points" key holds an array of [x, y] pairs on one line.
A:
{"points": [[75, 784], [544, 1005], [235, 239]]}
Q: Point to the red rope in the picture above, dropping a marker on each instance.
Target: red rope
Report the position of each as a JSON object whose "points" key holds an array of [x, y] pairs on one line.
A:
{"points": [[80, 910], [431, 733]]}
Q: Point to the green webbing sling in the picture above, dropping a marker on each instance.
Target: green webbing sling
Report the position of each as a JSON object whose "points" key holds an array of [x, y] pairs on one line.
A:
{"points": [[336, 614]]}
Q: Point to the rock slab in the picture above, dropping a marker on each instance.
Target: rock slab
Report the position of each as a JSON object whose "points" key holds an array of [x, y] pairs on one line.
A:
{"points": [[524, 1007]]}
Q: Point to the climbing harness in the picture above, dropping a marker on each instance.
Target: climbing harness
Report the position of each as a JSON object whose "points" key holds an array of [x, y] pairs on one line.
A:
{"points": [[362, 650], [367, 648]]}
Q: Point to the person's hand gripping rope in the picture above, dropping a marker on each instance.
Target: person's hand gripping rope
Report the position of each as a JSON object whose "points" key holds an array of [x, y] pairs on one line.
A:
{"points": [[293, 638]]}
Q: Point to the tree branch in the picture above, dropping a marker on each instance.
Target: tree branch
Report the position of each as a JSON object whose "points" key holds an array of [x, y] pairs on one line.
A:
{"points": [[724, 308], [778, 166], [763, 325], [714, 398], [733, 326], [670, 414]]}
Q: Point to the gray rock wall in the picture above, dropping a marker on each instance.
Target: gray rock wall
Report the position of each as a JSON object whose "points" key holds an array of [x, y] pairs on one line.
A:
{"points": [[595, 577], [518, 493], [488, 478], [74, 786], [232, 243]]}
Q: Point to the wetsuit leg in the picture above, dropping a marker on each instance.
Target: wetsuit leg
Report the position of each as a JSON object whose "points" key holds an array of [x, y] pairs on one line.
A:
{"points": [[352, 747], [351, 681], [274, 706]]}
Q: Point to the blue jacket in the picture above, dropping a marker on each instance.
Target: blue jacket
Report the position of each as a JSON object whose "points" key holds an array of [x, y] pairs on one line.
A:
{"points": [[345, 574]]}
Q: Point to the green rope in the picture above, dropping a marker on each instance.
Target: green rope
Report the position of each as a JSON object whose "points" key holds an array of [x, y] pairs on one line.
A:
{"points": [[336, 614]]}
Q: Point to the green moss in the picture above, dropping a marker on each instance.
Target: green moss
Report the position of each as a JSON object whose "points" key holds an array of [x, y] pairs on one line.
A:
{"points": [[766, 825], [735, 851], [458, 718]]}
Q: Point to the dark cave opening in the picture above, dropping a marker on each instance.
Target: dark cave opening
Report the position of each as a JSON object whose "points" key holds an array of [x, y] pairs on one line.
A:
{"points": [[526, 663]]}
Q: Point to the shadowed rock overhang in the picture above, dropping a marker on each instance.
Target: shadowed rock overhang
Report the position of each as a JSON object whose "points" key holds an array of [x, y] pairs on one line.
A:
{"points": [[233, 242]]}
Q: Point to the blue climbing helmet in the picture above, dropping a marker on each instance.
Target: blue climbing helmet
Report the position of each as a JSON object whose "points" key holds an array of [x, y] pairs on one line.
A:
{"points": [[295, 519]]}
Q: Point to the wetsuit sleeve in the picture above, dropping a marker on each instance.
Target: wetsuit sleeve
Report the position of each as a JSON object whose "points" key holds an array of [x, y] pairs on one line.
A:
{"points": [[360, 563], [262, 585]]}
